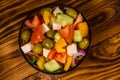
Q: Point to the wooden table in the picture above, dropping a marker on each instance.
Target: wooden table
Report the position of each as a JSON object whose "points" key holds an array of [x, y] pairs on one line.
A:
{"points": [[103, 61]]}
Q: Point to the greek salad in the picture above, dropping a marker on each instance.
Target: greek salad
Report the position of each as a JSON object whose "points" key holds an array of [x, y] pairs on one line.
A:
{"points": [[55, 39]]}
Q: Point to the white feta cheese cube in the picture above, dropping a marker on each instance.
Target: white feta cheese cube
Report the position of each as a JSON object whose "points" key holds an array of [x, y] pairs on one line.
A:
{"points": [[27, 47], [71, 49], [45, 28], [57, 10], [56, 26], [45, 52]]}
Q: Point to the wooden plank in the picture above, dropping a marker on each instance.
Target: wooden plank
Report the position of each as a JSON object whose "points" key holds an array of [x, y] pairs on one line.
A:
{"points": [[101, 63]]}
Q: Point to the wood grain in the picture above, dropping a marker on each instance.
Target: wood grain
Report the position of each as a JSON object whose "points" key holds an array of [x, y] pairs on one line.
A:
{"points": [[103, 61]]}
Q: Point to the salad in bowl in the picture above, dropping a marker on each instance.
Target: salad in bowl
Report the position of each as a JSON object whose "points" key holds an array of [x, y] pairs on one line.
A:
{"points": [[54, 38]]}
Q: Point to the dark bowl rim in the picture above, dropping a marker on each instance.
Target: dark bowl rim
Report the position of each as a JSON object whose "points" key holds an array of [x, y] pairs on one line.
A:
{"points": [[54, 4]]}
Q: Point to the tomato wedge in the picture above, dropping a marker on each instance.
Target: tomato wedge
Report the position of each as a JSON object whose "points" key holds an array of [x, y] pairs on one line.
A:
{"points": [[37, 20], [61, 57], [67, 33], [37, 35], [79, 19], [52, 54]]}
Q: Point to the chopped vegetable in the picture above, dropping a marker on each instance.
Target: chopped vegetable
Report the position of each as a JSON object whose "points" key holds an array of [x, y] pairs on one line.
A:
{"points": [[37, 35], [78, 20], [79, 57], [68, 63], [37, 48], [83, 44], [71, 12], [57, 36], [46, 17], [61, 57], [48, 43], [45, 52], [71, 49], [52, 66], [35, 21], [33, 61], [59, 45], [80, 54], [41, 63], [26, 35], [77, 36], [51, 54], [57, 10], [67, 33], [27, 47], [64, 19], [83, 27], [50, 34], [29, 23], [45, 9]]}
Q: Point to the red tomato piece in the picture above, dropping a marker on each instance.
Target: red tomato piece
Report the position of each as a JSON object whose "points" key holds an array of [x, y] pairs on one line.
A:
{"points": [[37, 20], [61, 57], [37, 35], [67, 33], [52, 54], [29, 23], [79, 19]]}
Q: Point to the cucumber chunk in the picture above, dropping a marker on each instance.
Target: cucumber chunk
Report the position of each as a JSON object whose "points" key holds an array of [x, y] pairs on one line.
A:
{"points": [[52, 66]]}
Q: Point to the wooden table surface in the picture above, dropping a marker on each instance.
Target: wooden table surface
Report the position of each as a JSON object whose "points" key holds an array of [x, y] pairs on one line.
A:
{"points": [[103, 61]]}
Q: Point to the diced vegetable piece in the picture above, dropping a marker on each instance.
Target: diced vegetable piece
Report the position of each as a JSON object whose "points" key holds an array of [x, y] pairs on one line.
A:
{"points": [[57, 10], [37, 35], [33, 60], [68, 63], [45, 52], [41, 63], [35, 21], [45, 28], [67, 33], [51, 54], [29, 23], [51, 34], [26, 35], [79, 55], [71, 49], [61, 57], [52, 66], [64, 19], [82, 52], [83, 27], [27, 47], [71, 12], [57, 36], [78, 20], [37, 48], [77, 36], [56, 26], [59, 45], [45, 9], [48, 43], [84, 44], [38, 20], [46, 17]]}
